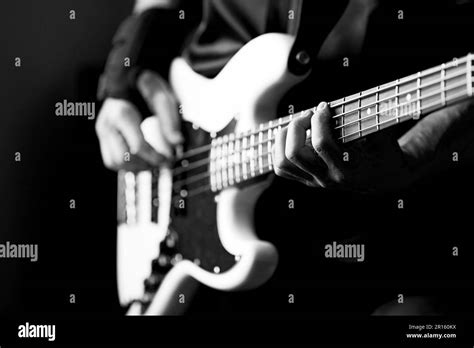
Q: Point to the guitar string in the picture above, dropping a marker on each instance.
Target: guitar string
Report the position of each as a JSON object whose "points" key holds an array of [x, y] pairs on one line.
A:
{"points": [[207, 160], [269, 165], [434, 93], [270, 125], [356, 112], [262, 156], [461, 62]]}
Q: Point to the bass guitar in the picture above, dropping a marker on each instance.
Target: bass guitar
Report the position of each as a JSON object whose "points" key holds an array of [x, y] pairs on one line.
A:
{"points": [[193, 222]]}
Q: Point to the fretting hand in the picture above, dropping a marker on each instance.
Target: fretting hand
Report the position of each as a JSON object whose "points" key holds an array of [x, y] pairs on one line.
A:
{"points": [[377, 162]]}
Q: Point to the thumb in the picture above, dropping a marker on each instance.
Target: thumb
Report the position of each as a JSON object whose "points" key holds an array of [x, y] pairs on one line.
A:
{"points": [[162, 102]]}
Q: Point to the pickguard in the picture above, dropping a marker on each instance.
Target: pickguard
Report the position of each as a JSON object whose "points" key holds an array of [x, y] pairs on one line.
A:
{"points": [[195, 224]]}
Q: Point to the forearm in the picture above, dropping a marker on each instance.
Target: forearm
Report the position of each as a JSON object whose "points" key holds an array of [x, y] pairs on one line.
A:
{"points": [[141, 43]]}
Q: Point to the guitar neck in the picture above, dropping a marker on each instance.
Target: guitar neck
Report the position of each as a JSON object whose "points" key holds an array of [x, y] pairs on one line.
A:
{"points": [[237, 158]]}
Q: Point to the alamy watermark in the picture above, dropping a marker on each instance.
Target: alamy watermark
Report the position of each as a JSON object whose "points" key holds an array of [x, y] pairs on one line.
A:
{"points": [[10, 250], [345, 251], [28, 330], [394, 109], [67, 108]]}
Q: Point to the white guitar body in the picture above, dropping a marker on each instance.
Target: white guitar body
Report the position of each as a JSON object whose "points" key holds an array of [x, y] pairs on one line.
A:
{"points": [[247, 90]]}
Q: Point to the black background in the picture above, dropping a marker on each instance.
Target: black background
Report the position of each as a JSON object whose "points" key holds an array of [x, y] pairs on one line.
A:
{"points": [[60, 159], [61, 59]]}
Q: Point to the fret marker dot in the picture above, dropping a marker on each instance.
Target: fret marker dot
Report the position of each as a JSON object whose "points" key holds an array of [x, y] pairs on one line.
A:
{"points": [[408, 97], [217, 269], [184, 163], [369, 111]]}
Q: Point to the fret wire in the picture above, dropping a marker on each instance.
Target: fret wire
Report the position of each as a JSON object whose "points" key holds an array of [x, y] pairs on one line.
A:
{"points": [[244, 157], [444, 79], [442, 68], [269, 145], [456, 85], [407, 91], [431, 71], [469, 74], [443, 85], [401, 116], [393, 118], [343, 110], [252, 159], [423, 74], [218, 164], [224, 170], [372, 115], [267, 167], [239, 157], [429, 105], [224, 161], [377, 117], [397, 99], [418, 96], [359, 124], [230, 159], [284, 120]]}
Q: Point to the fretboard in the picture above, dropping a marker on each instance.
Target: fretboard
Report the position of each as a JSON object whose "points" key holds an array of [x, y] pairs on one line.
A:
{"points": [[237, 158]]}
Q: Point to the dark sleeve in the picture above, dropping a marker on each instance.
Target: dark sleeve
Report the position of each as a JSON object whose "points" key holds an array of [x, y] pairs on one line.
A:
{"points": [[145, 41]]}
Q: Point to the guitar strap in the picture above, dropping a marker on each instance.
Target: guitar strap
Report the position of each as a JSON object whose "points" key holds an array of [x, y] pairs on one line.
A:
{"points": [[313, 23]]}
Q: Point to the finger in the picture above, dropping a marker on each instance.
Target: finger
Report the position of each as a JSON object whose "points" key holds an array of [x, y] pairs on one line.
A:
{"points": [[162, 102], [120, 154], [282, 166], [105, 152], [118, 149], [299, 153], [102, 130], [324, 143], [129, 126], [287, 175], [151, 131]]}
